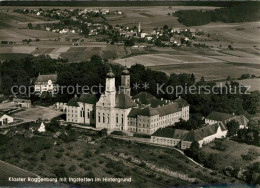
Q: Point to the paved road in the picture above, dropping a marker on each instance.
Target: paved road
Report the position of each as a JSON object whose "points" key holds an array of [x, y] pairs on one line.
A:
{"points": [[147, 141]]}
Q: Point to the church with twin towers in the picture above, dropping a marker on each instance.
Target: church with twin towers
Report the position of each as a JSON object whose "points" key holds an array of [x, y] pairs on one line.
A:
{"points": [[118, 110]]}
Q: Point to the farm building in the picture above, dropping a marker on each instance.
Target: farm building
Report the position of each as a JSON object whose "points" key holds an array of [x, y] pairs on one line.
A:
{"points": [[183, 138], [5, 119], [217, 117], [24, 103]]}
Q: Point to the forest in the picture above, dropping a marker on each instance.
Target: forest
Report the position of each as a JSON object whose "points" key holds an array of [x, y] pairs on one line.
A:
{"points": [[243, 12]]}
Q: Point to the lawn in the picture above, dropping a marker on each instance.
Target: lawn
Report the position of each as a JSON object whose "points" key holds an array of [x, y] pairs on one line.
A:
{"points": [[232, 155]]}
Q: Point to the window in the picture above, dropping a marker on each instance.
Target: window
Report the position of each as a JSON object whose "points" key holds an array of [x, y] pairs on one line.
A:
{"points": [[98, 117], [116, 118], [88, 114], [103, 118], [122, 118]]}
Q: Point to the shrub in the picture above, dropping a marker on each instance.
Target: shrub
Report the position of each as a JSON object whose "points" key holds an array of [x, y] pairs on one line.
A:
{"points": [[72, 168], [60, 172], [58, 155], [87, 154]]}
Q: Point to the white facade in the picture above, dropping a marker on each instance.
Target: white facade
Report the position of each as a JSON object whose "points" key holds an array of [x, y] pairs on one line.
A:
{"points": [[49, 87], [5, 119], [46, 83], [112, 109]]}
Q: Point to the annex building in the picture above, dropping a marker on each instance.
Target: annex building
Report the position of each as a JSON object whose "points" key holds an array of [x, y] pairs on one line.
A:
{"points": [[46, 84], [118, 110], [215, 127]]}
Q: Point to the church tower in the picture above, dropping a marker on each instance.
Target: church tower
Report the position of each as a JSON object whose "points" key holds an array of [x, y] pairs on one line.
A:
{"points": [[110, 87], [125, 82], [139, 28]]}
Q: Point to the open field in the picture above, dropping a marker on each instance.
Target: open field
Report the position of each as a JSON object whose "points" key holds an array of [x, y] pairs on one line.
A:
{"points": [[150, 17], [20, 34], [165, 59], [210, 71], [214, 63], [38, 112], [253, 83], [232, 155]]}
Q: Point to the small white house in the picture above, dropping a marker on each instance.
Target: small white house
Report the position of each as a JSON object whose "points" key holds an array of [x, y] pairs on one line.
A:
{"points": [[143, 35], [5, 119], [41, 129]]}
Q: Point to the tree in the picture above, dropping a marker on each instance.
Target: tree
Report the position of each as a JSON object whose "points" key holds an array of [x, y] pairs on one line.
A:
{"points": [[165, 27], [29, 25], [232, 127], [60, 172], [158, 42], [211, 161], [129, 42], [96, 59], [53, 126], [252, 102], [194, 150], [103, 132], [230, 47], [85, 30]]}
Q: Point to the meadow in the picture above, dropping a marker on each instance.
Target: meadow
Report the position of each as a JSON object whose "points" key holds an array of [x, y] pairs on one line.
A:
{"points": [[232, 155]]}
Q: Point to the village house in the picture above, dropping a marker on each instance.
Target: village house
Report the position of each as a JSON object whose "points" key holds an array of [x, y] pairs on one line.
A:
{"points": [[217, 117], [46, 83], [5, 119]]}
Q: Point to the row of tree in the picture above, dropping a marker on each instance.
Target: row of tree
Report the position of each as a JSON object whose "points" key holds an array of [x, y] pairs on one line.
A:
{"points": [[232, 98]]}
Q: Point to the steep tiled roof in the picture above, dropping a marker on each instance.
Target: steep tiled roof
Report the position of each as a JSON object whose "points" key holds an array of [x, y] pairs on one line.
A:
{"points": [[84, 98], [124, 101], [242, 120], [199, 134], [88, 98], [222, 126], [73, 102], [170, 133], [181, 102], [168, 109], [45, 78], [144, 97], [148, 111], [134, 112], [161, 110], [164, 132], [219, 116]]}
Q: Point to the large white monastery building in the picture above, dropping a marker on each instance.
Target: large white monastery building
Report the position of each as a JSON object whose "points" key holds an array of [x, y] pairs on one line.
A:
{"points": [[118, 110]]}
